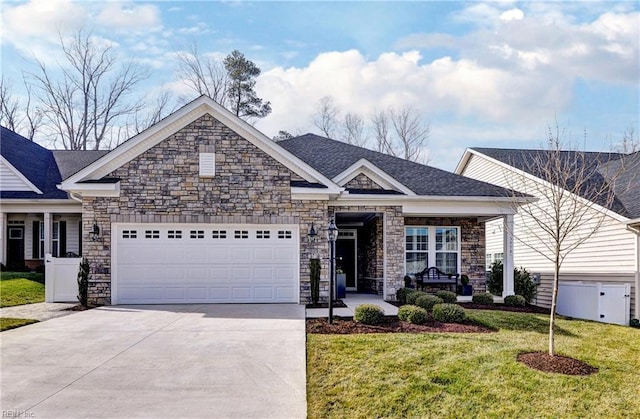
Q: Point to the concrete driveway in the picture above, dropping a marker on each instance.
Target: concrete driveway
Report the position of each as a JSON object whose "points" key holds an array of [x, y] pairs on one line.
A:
{"points": [[196, 361]]}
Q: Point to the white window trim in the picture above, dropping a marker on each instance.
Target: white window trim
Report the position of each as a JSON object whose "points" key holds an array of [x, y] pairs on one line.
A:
{"points": [[431, 245], [55, 243]]}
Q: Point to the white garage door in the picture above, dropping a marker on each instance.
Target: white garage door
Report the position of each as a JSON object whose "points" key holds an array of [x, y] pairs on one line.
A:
{"points": [[202, 263]]}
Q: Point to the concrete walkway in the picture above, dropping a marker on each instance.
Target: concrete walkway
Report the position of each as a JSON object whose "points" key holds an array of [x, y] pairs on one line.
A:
{"points": [[37, 311], [195, 361], [352, 300]]}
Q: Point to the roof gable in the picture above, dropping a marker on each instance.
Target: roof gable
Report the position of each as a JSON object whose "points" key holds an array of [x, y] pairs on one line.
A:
{"points": [[626, 201], [142, 142], [12, 180], [33, 164], [374, 173]]}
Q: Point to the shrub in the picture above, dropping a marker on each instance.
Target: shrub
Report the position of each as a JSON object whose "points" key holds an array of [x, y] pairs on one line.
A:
{"points": [[514, 301], [428, 301], [83, 282], [314, 275], [413, 296], [449, 313], [482, 298], [447, 296], [402, 294], [523, 283], [635, 323], [413, 314], [368, 314]]}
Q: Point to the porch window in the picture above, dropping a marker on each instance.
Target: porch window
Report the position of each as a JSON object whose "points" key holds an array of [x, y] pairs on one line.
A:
{"points": [[432, 246], [56, 233], [55, 239], [416, 249]]}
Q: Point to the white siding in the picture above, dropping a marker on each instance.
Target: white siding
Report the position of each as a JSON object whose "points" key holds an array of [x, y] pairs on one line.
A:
{"points": [[610, 250], [10, 181]]}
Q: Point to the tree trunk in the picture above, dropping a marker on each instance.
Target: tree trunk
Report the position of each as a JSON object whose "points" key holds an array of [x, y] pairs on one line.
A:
{"points": [[554, 303]]}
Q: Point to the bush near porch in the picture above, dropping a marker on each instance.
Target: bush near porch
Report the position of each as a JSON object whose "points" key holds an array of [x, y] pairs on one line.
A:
{"points": [[474, 375], [18, 288]]}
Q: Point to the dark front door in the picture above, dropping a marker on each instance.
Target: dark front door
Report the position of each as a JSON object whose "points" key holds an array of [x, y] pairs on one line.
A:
{"points": [[346, 260], [15, 247]]}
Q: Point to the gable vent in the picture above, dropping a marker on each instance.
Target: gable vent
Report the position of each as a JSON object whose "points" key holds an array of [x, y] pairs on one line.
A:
{"points": [[207, 164]]}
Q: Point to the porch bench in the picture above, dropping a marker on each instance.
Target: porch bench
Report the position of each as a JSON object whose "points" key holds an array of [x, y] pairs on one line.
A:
{"points": [[434, 276]]}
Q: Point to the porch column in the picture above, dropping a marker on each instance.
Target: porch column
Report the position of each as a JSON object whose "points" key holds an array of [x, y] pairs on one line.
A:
{"points": [[47, 232], [507, 263], [3, 238]]}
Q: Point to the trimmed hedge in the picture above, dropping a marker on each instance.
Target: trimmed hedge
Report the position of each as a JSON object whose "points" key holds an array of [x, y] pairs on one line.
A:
{"points": [[402, 294], [449, 313], [514, 301], [413, 314], [427, 301], [447, 296], [413, 296], [368, 314], [482, 298]]}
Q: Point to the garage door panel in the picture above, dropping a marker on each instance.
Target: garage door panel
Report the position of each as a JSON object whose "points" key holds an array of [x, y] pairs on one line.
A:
{"points": [[206, 263]]}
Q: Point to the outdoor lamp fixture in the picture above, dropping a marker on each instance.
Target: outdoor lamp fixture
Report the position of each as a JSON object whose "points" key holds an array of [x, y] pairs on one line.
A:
{"points": [[95, 232], [312, 236], [332, 235]]}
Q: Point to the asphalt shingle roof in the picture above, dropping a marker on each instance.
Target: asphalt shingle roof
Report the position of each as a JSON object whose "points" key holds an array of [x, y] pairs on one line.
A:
{"points": [[72, 161], [35, 162], [331, 157], [626, 200]]}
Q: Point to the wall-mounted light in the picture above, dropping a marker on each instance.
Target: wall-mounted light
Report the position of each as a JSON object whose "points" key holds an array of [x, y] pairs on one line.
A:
{"points": [[312, 236], [95, 232]]}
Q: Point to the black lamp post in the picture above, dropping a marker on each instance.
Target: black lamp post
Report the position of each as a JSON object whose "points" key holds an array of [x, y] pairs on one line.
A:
{"points": [[332, 235]]}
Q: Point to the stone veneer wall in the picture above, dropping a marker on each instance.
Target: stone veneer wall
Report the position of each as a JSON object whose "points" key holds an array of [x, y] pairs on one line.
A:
{"points": [[393, 228], [162, 185], [472, 245], [362, 181]]}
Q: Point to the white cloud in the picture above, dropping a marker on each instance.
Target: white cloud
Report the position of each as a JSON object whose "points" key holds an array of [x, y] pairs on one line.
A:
{"points": [[127, 16], [512, 14]]}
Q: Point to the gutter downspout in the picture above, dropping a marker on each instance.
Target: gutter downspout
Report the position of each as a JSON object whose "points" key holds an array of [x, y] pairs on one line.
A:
{"points": [[636, 229]]}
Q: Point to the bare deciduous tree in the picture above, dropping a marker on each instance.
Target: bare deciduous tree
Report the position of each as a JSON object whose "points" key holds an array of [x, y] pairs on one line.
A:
{"points": [[412, 133], [326, 117], [90, 96], [380, 123], [574, 187], [18, 115], [630, 142], [204, 75], [353, 130]]}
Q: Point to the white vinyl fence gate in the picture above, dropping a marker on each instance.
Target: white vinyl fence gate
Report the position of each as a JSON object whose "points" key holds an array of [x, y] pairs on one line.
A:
{"points": [[61, 279], [607, 303]]}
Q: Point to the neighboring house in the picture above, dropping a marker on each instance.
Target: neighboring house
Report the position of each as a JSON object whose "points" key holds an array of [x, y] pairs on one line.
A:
{"points": [[203, 208], [36, 217], [611, 255]]}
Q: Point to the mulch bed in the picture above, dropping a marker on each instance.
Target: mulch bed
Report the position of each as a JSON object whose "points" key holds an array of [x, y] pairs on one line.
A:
{"points": [[559, 364], [390, 324], [336, 304]]}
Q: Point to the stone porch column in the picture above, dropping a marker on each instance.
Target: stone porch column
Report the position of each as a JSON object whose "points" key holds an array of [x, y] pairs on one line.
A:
{"points": [[507, 263]]}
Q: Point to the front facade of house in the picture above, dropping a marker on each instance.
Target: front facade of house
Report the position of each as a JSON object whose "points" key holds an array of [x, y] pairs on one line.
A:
{"points": [[610, 256], [202, 208]]}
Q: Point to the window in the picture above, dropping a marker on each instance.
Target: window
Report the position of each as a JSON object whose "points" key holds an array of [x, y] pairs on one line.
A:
{"points": [[498, 257], [488, 260], [174, 234], [432, 246], [263, 234], [38, 253], [152, 234], [417, 249], [219, 234], [241, 234], [55, 239], [196, 234], [207, 164], [284, 234], [129, 234]]}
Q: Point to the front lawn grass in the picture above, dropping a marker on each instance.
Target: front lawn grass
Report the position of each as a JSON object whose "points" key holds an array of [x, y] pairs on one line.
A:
{"points": [[6, 323], [474, 375], [18, 288]]}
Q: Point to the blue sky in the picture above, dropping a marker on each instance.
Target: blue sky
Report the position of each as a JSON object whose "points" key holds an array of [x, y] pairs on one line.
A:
{"points": [[492, 74]]}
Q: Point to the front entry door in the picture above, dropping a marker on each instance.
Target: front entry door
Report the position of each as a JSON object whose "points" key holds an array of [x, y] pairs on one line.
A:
{"points": [[15, 247], [346, 246]]}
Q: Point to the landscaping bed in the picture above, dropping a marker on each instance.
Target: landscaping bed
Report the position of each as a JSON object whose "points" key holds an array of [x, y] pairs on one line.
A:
{"points": [[390, 324], [503, 307]]}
